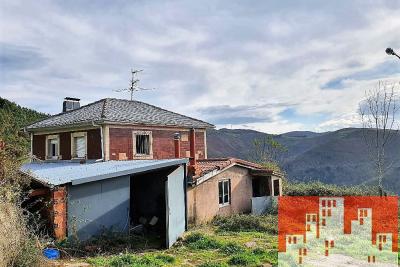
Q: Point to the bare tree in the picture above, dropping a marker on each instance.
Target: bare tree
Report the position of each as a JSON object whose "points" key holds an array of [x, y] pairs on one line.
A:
{"points": [[378, 112], [269, 152]]}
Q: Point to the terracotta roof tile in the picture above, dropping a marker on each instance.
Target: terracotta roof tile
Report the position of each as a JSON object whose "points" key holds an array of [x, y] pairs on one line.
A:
{"points": [[209, 165]]}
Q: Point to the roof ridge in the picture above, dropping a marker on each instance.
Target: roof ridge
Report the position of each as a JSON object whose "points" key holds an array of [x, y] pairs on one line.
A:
{"points": [[102, 115], [67, 112], [215, 159]]}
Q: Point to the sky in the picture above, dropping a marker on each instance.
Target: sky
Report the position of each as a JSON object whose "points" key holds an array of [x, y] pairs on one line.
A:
{"points": [[272, 66]]}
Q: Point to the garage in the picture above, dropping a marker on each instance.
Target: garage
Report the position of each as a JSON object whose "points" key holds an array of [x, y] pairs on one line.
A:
{"points": [[119, 196]]}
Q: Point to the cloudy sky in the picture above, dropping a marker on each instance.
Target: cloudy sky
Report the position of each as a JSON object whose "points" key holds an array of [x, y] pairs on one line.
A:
{"points": [[273, 66]]}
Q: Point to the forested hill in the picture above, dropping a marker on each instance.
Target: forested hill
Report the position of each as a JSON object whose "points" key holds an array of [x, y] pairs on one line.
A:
{"points": [[338, 157], [20, 116], [12, 119]]}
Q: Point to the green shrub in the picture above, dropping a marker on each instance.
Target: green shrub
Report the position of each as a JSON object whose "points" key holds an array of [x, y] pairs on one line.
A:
{"points": [[258, 251], [132, 260], [213, 264], [165, 258], [247, 223], [232, 248], [193, 237], [317, 188], [200, 241], [123, 260], [244, 259]]}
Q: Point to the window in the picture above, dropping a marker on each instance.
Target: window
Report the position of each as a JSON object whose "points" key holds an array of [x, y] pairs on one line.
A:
{"points": [[260, 187], [142, 144], [52, 147], [224, 192], [78, 145]]}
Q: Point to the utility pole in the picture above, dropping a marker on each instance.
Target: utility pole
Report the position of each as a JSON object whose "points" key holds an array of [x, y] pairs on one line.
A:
{"points": [[134, 84]]}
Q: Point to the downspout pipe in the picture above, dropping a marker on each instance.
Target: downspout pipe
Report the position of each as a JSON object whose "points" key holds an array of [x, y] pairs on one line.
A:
{"points": [[101, 139]]}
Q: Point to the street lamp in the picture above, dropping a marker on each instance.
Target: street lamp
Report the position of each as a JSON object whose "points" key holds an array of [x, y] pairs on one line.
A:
{"points": [[390, 52]]}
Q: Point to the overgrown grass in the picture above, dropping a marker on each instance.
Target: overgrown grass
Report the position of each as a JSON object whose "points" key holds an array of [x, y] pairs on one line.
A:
{"points": [[232, 248], [247, 223], [126, 260], [201, 241], [19, 244], [109, 243], [244, 259], [206, 246]]}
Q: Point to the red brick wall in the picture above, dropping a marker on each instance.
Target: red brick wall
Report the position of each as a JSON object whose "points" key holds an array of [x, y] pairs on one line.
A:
{"points": [[59, 212], [163, 143], [93, 146]]}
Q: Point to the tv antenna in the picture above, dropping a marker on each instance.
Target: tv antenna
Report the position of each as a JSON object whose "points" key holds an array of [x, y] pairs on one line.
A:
{"points": [[134, 85]]}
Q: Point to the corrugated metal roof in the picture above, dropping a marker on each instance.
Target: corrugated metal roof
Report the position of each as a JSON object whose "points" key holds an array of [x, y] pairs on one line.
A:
{"points": [[119, 111], [58, 173]]}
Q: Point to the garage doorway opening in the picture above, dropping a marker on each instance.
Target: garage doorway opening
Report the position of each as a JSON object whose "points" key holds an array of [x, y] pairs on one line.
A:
{"points": [[148, 207]]}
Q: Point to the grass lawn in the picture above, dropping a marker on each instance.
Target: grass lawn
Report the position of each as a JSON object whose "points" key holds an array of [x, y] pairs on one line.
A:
{"points": [[237, 242]]}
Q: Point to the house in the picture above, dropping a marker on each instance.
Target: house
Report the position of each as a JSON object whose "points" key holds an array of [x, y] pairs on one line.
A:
{"points": [[118, 164], [226, 186]]}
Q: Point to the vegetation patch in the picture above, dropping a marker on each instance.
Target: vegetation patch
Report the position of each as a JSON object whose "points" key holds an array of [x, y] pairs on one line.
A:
{"points": [[232, 248], [249, 223], [244, 259], [213, 264], [201, 241], [133, 260], [320, 189]]}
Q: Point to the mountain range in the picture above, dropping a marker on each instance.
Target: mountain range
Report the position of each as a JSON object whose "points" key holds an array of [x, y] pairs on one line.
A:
{"points": [[338, 157]]}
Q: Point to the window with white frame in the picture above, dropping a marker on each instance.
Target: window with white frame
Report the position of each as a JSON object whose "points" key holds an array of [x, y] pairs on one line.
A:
{"points": [[142, 144], [79, 145], [224, 192], [52, 147]]}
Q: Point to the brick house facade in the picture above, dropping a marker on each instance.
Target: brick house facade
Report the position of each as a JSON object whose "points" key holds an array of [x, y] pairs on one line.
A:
{"points": [[113, 130]]}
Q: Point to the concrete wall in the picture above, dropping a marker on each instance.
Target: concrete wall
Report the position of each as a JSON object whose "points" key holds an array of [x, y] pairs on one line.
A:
{"points": [[163, 142], [259, 205], [95, 206], [203, 199]]}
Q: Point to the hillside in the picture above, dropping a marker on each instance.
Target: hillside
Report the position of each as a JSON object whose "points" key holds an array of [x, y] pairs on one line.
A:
{"points": [[12, 119], [338, 157]]}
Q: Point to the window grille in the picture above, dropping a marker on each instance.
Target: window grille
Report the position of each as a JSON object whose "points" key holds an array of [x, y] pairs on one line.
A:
{"points": [[143, 144]]}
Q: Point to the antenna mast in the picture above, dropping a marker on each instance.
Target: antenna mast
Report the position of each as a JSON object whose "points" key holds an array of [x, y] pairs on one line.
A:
{"points": [[134, 84]]}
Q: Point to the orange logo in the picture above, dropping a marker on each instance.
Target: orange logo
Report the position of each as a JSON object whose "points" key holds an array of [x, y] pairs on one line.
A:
{"points": [[338, 231]]}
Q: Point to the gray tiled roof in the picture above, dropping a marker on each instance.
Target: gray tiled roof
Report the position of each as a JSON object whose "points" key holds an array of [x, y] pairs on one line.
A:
{"points": [[119, 111]]}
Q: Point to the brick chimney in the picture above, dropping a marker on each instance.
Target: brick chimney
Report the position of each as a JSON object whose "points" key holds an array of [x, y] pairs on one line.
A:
{"points": [[177, 145], [194, 169], [71, 103]]}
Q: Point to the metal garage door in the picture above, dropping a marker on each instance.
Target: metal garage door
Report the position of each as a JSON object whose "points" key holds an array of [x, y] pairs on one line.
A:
{"points": [[176, 208]]}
